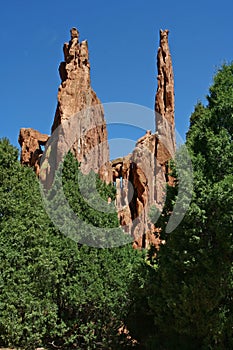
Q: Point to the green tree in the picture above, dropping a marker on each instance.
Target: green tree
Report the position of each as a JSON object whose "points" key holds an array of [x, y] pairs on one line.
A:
{"points": [[189, 291], [53, 290]]}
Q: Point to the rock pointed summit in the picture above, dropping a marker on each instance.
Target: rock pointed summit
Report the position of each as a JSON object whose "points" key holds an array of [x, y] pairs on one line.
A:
{"points": [[75, 92], [76, 99], [165, 115], [79, 115], [165, 98], [146, 169]]}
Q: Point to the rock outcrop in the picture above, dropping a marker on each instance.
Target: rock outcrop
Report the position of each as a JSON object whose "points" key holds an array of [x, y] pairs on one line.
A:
{"points": [[134, 176], [31, 141], [79, 123], [78, 101], [141, 177], [164, 102], [164, 110], [79, 126]]}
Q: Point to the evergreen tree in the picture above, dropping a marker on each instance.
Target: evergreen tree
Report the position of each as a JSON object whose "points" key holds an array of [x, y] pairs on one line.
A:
{"points": [[53, 290], [189, 290]]}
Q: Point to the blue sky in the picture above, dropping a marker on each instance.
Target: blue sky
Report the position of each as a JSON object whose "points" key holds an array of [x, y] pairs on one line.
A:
{"points": [[123, 40]]}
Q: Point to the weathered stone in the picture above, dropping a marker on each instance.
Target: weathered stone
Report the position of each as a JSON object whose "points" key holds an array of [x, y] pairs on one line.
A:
{"points": [[164, 110], [141, 177], [135, 181], [80, 116], [164, 103], [76, 99], [31, 141]]}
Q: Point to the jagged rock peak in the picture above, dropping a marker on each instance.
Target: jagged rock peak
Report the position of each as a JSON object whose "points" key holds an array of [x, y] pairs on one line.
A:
{"points": [[75, 50], [165, 104], [76, 98], [74, 33], [75, 92], [141, 177], [164, 111], [87, 129], [165, 100]]}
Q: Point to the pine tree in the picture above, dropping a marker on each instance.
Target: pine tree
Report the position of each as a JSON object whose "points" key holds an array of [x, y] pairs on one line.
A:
{"points": [[189, 290], [54, 290]]}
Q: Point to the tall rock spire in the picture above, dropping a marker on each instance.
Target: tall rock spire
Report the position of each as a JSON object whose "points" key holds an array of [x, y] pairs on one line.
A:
{"points": [[75, 92], [164, 101], [76, 99], [164, 111], [140, 177]]}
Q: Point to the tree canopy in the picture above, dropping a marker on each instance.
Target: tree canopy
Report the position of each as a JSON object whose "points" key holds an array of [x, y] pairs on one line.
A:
{"points": [[189, 293], [56, 292], [53, 290]]}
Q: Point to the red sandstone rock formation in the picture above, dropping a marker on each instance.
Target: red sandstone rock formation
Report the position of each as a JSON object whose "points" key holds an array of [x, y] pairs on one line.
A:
{"points": [[164, 103], [31, 141], [134, 176], [164, 109], [79, 116], [140, 177], [77, 100]]}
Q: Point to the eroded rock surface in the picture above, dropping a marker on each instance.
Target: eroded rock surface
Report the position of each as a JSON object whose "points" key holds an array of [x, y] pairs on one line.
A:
{"points": [[79, 123], [164, 110], [78, 101], [79, 126], [141, 177], [31, 141], [134, 177]]}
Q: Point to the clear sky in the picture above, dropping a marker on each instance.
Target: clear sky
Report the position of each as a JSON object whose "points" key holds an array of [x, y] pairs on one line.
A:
{"points": [[123, 39]]}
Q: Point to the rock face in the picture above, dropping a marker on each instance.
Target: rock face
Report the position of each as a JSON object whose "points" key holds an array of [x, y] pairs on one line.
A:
{"points": [[164, 102], [79, 123], [79, 126], [134, 176], [164, 110], [78, 101], [141, 177], [31, 141]]}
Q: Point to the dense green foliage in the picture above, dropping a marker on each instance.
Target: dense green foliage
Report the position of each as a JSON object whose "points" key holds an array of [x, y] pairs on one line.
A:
{"points": [[188, 298], [53, 289], [56, 292], [96, 224]]}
